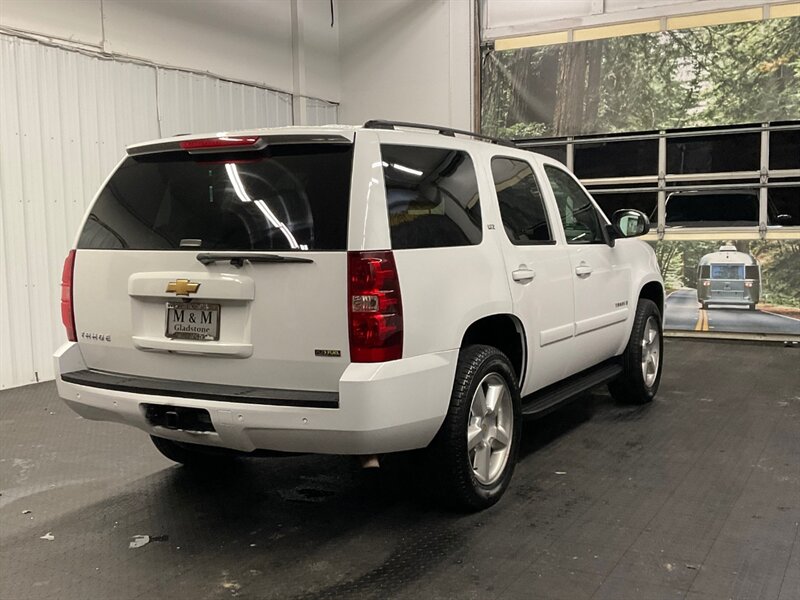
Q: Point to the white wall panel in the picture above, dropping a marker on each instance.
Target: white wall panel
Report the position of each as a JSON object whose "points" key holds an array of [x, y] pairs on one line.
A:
{"points": [[319, 112], [80, 21], [406, 60], [192, 103], [65, 120]]}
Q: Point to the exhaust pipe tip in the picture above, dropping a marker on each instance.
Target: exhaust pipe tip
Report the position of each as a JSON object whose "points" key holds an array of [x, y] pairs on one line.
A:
{"points": [[369, 461]]}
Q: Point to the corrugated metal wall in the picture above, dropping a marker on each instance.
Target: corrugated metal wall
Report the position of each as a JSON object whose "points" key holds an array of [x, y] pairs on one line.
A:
{"points": [[188, 102], [319, 112], [65, 119]]}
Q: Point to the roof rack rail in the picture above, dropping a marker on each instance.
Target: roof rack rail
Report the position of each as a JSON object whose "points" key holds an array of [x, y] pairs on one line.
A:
{"points": [[448, 131]]}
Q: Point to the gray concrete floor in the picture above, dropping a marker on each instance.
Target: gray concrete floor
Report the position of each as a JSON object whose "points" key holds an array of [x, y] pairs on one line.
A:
{"points": [[695, 496]]}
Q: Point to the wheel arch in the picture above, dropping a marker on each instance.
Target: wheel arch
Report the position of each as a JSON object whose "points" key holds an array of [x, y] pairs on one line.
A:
{"points": [[506, 333], [653, 290]]}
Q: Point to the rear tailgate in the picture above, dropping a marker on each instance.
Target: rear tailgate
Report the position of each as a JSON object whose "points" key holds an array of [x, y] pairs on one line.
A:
{"points": [[220, 267]]}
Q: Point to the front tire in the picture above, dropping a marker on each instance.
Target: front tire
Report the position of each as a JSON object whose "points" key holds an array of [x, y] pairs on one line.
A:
{"points": [[475, 450], [641, 362]]}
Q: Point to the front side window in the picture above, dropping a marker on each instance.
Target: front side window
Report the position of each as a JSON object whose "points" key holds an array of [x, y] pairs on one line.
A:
{"points": [[579, 217], [521, 205], [432, 197]]}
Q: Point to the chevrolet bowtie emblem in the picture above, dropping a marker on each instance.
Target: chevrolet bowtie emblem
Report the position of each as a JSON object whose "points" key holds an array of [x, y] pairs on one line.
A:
{"points": [[182, 287]]}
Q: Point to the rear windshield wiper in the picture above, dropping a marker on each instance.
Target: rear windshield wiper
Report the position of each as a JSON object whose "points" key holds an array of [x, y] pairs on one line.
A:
{"points": [[237, 260]]}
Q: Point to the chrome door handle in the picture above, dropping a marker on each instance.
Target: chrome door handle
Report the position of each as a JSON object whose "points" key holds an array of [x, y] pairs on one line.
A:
{"points": [[523, 275], [583, 270]]}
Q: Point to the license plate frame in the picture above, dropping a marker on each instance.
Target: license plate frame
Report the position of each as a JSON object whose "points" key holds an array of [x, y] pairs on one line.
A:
{"points": [[190, 328]]}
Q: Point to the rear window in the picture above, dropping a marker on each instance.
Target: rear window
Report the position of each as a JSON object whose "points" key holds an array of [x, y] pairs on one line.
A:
{"points": [[727, 271], [291, 197], [432, 196]]}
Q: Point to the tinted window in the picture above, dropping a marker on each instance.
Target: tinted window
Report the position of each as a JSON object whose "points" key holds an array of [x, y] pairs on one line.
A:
{"points": [[714, 153], [432, 197], [559, 152], [784, 205], [616, 159], [578, 214], [705, 272], [715, 208], [521, 206], [784, 149], [609, 203], [751, 272], [282, 198]]}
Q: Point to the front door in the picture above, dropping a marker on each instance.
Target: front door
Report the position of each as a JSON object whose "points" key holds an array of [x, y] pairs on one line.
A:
{"points": [[600, 276]]}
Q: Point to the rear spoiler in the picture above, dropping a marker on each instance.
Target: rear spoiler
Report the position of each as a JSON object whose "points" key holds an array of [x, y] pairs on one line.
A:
{"points": [[239, 143]]}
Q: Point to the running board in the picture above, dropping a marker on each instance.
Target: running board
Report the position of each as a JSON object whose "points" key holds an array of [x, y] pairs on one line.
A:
{"points": [[548, 399]]}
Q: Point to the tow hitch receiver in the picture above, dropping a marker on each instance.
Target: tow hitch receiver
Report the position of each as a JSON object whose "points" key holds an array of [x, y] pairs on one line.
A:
{"points": [[178, 417]]}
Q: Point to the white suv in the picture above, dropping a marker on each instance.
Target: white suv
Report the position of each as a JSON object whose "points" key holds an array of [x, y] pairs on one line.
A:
{"points": [[356, 291]]}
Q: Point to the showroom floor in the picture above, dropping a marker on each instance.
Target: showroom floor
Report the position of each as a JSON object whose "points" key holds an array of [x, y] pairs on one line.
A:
{"points": [[695, 496]]}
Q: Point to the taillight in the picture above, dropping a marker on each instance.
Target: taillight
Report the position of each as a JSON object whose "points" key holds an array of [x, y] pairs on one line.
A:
{"points": [[220, 143], [748, 284], [375, 308], [67, 312], [706, 283]]}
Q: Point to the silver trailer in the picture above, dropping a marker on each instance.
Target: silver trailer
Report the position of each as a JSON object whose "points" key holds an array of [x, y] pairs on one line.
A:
{"points": [[728, 277]]}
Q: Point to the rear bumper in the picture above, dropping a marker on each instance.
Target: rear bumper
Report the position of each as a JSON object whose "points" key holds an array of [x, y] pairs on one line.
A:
{"points": [[731, 301], [382, 407]]}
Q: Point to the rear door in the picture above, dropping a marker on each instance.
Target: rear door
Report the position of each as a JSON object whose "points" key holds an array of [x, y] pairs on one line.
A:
{"points": [[538, 269], [220, 266]]}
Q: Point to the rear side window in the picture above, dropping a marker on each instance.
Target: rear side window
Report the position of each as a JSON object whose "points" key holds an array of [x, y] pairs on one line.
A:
{"points": [[432, 197], [291, 197], [521, 206], [751, 272]]}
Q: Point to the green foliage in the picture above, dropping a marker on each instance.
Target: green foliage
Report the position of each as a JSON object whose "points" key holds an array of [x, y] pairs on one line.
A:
{"points": [[779, 260], [724, 74], [520, 131]]}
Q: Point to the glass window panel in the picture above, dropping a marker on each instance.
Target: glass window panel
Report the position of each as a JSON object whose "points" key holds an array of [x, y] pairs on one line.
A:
{"points": [[579, 217], [521, 205], [432, 197], [281, 198]]}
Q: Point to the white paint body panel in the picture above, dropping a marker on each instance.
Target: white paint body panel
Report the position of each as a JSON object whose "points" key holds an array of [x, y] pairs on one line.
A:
{"points": [[272, 318], [275, 315]]}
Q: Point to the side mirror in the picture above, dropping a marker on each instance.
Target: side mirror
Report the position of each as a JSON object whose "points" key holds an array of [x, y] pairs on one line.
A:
{"points": [[629, 223]]}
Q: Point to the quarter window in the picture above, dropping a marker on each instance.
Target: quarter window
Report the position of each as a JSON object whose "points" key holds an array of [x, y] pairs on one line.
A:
{"points": [[582, 224], [432, 197], [521, 206]]}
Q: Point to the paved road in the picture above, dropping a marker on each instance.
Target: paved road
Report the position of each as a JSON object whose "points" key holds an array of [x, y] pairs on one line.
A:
{"points": [[683, 313]]}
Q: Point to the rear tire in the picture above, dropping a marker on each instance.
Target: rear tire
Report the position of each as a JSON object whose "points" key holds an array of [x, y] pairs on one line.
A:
{"points": [[474, 453], [641, 362], [193, 456]]}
